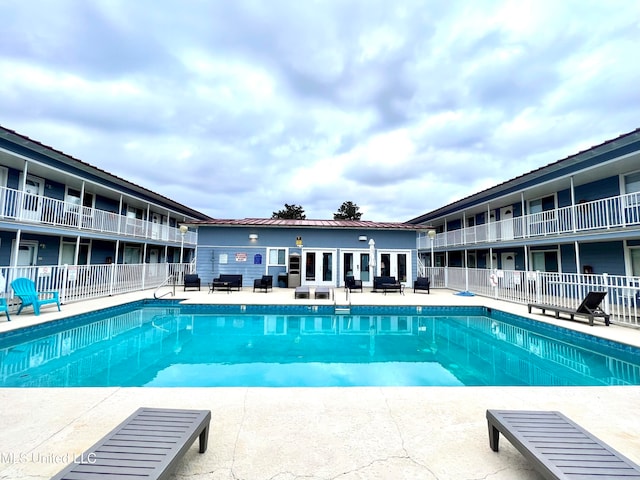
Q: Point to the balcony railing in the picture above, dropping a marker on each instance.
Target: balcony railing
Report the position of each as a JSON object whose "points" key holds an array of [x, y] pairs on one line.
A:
{"points": [[84, 282], [565, 290], [29, 208], [614, 212]]}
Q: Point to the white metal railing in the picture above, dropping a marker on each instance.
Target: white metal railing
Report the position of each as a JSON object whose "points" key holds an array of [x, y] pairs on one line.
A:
{"points": [[26, 207], [560, 289], [83, 282], [613, 212]]}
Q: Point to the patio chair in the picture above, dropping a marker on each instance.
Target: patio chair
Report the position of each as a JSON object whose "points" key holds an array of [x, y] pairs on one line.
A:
{"points": [[191, 280], [25, 289], [352, 284], [265, 283], [4, 307]]}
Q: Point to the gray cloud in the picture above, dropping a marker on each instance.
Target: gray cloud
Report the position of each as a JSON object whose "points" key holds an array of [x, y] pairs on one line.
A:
{"points": [[317, 103]]}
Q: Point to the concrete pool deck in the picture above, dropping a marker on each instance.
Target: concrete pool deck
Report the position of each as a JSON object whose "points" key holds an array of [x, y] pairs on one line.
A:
{"points": [[315, 433]]}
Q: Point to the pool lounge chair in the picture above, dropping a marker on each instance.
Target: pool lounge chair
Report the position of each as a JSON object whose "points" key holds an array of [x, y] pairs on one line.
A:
{"points": [[590, 308], [25, 289], [149, 444], [557, 447]]}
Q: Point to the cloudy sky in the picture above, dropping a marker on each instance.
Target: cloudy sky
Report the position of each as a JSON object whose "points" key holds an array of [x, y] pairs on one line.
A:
{"points": [[237, 107]]}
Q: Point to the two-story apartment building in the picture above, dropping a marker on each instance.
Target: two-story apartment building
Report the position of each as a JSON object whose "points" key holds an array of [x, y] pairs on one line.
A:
{"points": [[580, 214], [57, 210]]}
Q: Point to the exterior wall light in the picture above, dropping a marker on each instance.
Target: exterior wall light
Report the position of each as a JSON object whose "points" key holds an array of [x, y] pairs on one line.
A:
{"points": [[253, 237], [362, 238]]}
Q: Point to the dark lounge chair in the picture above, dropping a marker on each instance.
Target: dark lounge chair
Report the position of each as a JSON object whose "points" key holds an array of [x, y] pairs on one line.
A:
{"points": [[148, 444], [557, 447], [191, 280], [265, 283], [352, 284], [589, 308], [25, 289], [422, 283]]}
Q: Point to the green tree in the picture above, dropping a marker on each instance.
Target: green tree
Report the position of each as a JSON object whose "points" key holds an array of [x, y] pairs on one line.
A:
{"points": [[290, 212], [348, 211]]}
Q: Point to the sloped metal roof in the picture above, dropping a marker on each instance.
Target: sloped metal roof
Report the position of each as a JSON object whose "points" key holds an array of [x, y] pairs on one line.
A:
{"points": [[531, 176], [278, 222]]}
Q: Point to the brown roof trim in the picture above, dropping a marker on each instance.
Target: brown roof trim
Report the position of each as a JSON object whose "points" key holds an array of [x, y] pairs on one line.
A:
{"points": [[284, 223]]}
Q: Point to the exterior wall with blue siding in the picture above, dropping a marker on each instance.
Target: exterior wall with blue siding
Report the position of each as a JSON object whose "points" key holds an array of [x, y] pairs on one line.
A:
{"points": [[235, 244], [605, 257]]}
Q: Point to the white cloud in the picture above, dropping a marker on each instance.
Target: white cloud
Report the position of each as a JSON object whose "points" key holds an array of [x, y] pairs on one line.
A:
{"points": [[398, 107]]}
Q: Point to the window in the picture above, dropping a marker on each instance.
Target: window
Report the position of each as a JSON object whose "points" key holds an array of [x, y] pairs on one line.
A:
{"points": [[635, 262], [542, 204], [544, 261], [632, 183], [277, 256], [632, 189]]}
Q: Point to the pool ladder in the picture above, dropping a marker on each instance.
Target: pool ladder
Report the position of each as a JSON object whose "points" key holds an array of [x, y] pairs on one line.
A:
{"points": [[343, 309], [164, 284]]}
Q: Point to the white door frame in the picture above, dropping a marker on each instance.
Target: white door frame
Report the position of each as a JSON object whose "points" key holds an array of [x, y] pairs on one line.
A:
{"points": [[29, 245], [358, 255], [506, 223], [317, 280], [393, 267], [34, 209]]}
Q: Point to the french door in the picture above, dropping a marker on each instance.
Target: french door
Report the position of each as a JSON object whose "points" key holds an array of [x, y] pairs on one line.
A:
{"points": [[358, 265], [394, 264], [319, 267]]}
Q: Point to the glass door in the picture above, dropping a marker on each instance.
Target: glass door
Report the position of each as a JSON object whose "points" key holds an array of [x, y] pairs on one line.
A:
{"points": [[395, 264], [357, 265], [319, 267]]}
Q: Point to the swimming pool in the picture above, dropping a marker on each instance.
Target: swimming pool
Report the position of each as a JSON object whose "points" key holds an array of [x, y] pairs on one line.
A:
{"points": [[163, 343]]}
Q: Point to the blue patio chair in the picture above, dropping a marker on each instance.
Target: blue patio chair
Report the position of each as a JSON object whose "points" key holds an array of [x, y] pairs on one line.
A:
{"points": [[25, 290], [4, 307]]}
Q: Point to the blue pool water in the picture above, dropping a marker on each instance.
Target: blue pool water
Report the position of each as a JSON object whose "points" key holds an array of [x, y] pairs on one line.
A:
{"points": [[162, 343]]}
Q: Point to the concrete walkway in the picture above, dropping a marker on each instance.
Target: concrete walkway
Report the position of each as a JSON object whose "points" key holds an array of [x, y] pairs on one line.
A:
{"points": [[314, 433]]}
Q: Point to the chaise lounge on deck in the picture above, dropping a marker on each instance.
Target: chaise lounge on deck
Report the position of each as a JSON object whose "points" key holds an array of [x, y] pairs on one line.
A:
{"points": [[557, 447], [146, 445], [589, 308]]}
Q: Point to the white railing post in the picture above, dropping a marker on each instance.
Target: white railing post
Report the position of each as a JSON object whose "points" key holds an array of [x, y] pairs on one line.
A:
{"points": [[607, 301], [112, 278], [63, 289]]}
